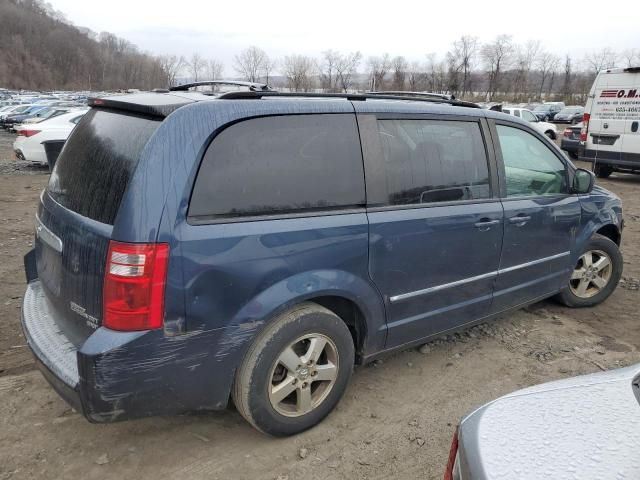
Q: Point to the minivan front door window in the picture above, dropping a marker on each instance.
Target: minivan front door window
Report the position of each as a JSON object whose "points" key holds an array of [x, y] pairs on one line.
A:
{"points": [[530, 167]]}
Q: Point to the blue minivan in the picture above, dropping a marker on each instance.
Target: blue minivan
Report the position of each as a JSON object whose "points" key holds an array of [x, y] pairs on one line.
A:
{"points": [[254, 246]]}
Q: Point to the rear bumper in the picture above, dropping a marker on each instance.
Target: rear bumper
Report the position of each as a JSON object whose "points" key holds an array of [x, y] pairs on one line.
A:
{"points": [[123, 375], [623, 160], [570, 145]]}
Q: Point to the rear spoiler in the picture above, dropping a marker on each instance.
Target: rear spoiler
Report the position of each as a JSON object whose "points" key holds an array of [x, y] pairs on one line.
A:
{"points": [[152, 104]]}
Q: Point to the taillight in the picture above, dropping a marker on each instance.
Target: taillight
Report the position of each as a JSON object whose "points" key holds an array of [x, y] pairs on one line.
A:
{"points": [[27, 133], [567, 132], [134, 283], [585, 127], [453, 453]]}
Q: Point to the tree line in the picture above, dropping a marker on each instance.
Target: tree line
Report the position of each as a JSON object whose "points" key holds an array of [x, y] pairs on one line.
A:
{"points": [[499, 70]]}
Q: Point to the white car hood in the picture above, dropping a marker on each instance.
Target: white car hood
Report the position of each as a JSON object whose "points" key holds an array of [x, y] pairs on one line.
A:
{"points": [[581, 428]]}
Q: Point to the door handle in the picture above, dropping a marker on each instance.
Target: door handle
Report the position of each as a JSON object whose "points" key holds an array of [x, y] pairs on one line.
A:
{"points": [[485, 224], [519, 220]]}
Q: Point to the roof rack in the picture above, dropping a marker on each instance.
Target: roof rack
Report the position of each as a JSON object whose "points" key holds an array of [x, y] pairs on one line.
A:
{"points": [[248, 95], [253, 86], [416, 94]]}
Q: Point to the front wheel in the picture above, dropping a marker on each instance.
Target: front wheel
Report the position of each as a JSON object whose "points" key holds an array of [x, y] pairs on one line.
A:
{"points": [[295, 372], [595, 275]]}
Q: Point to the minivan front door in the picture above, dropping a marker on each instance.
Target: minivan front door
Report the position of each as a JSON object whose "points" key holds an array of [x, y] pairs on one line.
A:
{"points": [[540, 218], [435, 227]]}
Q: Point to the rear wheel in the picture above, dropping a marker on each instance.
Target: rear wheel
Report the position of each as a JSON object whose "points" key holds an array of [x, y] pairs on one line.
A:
{"points": [[550, 134], [595, 275], [295, 372], [603, 171]]}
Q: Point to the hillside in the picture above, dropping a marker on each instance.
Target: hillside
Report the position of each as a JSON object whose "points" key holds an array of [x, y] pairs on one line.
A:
{"points": [[40, 50]]}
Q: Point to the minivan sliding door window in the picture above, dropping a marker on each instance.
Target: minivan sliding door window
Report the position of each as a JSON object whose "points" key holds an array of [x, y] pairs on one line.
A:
{"points": [[431, 161]]}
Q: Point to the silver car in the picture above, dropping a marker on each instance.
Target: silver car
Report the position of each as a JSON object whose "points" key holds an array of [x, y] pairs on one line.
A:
{"points": [[582, 428]]}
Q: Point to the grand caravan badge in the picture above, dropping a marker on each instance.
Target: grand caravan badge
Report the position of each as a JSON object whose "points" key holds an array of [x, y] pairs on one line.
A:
{"points": [[91, 321]]}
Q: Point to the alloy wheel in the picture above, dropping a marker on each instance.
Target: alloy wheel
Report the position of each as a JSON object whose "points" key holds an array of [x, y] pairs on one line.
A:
{"points": [[303, 375], [591, 274]]}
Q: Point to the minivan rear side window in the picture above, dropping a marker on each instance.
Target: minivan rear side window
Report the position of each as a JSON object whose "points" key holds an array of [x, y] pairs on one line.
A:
{"points": [[94, 168], [429, 161], [279, 165]]}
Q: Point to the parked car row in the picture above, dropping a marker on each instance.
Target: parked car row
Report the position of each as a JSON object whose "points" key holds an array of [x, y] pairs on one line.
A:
{"points": [[40, 121], [546, 128], [30, 141]]}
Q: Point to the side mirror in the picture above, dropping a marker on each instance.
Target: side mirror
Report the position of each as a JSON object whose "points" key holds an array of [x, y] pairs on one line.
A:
{"points": [[583, 181]]}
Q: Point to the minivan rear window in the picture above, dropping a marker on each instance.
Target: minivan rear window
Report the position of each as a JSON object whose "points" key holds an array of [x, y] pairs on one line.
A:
{"points": [[94, 168]]}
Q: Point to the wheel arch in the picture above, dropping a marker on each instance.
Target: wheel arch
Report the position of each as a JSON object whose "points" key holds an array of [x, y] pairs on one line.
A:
{"points": [[350, 297], [610, 231]]}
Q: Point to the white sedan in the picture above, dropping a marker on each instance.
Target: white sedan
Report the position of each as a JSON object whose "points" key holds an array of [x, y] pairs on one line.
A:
{"points": [[548, 129], [28, 144]]}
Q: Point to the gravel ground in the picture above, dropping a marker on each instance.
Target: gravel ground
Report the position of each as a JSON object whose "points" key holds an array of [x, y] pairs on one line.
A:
{"points": [[395, 421]]}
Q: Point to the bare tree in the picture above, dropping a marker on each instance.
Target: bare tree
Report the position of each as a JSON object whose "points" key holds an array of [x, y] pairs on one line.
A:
{"points": [[328, 70], [298, 69], [214, 69], [416, 77], [399, 65], [436, 74], [466, 50], [547, 65], [250, 63], [454, 68], [496, 56], [631, 57], [346, 68], [268, 66], [601, 59], [172, 65], [378, 68], [196, 66]]}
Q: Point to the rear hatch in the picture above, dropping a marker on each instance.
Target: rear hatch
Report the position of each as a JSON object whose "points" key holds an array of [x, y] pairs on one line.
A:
{"points": [[606, 123], [77, 212]]}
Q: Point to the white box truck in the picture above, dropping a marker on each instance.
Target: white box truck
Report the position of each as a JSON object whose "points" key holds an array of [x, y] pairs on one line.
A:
{"points": [[610, 136]]}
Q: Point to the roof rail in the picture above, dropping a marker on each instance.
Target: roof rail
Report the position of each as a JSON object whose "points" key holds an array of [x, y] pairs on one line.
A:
{"points": [[417, 94], [248, 95], [253, 86]]}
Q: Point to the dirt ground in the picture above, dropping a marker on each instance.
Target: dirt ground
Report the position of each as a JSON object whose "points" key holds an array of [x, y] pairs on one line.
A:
{"points": [[395, 421]]}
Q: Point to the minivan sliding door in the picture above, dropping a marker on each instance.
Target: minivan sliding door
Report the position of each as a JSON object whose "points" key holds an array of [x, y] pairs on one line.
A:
{"points": [[435, 226]]}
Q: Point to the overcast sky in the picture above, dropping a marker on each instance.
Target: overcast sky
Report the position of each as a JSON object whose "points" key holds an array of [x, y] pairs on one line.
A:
{"points": [[220, 29]]}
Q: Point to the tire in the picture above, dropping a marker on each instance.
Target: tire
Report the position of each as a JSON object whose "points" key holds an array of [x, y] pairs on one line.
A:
{"points": [[574, 155], [598, 247], [550, 134], [262, 371], [603, 171], [546, 118]]}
